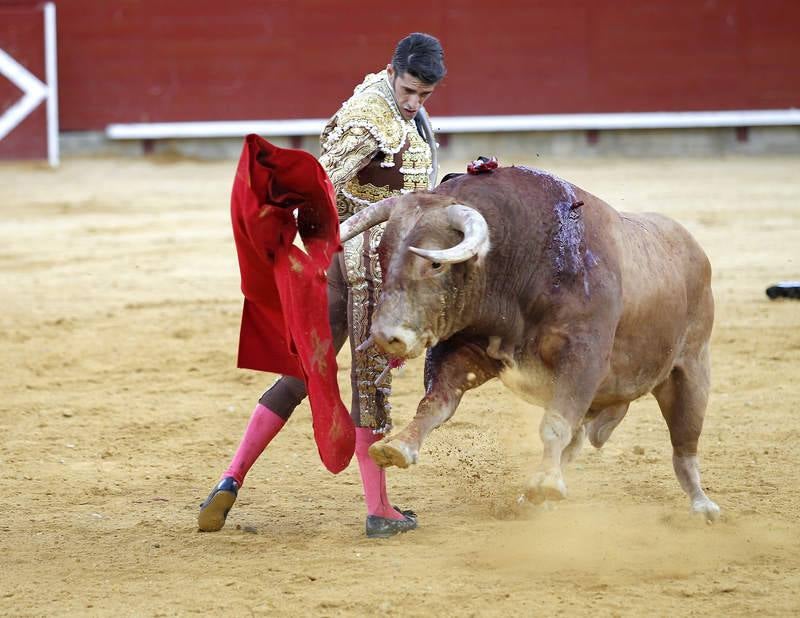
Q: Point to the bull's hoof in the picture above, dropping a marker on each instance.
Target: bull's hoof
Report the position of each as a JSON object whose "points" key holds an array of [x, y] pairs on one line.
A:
{"points": [[706, 508], [545, 486], [395, 453]]}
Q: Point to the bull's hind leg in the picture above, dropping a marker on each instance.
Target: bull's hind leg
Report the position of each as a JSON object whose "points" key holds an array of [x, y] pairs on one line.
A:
{"points": [[683, 397], [597, 426], [573, 449], [451, 369]]}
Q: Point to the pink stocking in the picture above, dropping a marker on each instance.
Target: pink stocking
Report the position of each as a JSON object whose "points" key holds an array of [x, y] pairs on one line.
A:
{"points": [[263, 426], [373, 477]]}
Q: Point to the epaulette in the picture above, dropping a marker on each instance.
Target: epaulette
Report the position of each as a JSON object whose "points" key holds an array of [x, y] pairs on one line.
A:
{"points": [[372, 108]]}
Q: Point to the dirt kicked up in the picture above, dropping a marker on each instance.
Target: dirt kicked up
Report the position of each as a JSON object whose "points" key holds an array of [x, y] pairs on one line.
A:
{"points": [[121, 404]]}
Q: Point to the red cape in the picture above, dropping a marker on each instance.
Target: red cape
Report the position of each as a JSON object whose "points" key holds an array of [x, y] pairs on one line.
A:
{"points": [[285, 325]]}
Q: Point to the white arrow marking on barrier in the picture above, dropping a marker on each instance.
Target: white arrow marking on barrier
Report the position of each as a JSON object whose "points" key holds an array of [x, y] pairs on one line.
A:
{"points": [[35, 92]]}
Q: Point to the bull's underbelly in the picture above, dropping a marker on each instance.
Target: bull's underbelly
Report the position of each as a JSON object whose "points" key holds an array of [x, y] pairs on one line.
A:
{"points": [[617, 389], [636, 371], [535, 383], [531, 381]]}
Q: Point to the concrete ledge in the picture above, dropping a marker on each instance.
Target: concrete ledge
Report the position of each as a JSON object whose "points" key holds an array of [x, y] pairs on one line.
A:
{"points": [[507, 146], [471, 124]]}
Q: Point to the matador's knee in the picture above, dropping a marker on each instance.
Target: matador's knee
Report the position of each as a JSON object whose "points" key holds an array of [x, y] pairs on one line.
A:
{"points": [[284, 396]]}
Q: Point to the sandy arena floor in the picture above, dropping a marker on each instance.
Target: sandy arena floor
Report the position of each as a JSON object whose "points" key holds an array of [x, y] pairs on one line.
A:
{"points": [[121, 404]]}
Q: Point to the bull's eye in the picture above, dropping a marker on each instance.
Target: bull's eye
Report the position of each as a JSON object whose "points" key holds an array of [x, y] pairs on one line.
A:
{"points": [[436, 265]]}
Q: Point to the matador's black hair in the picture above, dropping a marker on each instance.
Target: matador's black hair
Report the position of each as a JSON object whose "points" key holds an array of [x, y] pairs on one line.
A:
{"points": [[421, 56]]}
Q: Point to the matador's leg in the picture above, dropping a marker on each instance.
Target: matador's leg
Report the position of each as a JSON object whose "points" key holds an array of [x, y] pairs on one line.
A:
{"points": [[370, 410], [270, 415], [370, 401]]}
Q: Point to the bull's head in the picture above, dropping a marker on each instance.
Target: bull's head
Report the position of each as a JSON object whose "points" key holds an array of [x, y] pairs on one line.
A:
{"points": [[428, 256]]}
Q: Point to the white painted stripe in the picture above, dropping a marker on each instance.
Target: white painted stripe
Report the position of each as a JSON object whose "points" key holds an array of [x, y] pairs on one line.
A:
{"points": [[51, 75], [643, 120], [239, 128], [472, 124], [35, 92]]}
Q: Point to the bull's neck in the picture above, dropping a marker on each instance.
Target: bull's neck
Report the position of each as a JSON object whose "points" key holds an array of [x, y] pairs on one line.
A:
{"points": [[467, 303], [513, 279]]}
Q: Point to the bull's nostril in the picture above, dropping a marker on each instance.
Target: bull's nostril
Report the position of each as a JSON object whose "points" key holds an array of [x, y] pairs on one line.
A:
{"points": [[393, 345], [397, 345]]}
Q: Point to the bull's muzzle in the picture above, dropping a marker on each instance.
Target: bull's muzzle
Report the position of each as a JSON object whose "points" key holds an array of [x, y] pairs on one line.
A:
{"points": [[397, 341]]}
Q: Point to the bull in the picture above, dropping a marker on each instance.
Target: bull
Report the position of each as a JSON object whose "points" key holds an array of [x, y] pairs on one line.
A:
{"points": [[574, 306]]}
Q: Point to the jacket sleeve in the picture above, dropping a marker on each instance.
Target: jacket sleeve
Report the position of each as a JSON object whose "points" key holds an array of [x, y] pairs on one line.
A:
{"points": [[345, 152]]}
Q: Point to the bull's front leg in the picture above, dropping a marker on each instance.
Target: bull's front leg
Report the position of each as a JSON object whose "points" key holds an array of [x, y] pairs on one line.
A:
{"points": [[578, 371], [451, 369]]}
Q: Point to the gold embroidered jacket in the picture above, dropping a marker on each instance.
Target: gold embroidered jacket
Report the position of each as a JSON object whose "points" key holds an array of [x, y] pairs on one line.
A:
{"points": [[370, 151]]}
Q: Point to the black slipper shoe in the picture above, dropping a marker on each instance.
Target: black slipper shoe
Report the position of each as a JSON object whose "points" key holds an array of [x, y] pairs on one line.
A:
{"points": [[215, 508], [384, 527]]}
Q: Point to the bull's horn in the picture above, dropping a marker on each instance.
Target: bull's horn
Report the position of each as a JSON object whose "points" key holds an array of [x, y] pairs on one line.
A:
{"points": [[367, 343], [363, 220], [475, 242]]}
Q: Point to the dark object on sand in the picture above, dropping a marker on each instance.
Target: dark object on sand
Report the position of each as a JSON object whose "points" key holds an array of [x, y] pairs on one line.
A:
{"points": [[784, 289]]}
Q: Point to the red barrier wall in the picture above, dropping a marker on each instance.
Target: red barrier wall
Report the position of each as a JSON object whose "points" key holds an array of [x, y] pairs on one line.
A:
{"points": [[175, 60], [22, 37]]}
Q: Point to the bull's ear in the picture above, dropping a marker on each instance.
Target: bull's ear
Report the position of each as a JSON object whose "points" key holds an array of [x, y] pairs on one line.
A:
{"points": [[471, 223]]}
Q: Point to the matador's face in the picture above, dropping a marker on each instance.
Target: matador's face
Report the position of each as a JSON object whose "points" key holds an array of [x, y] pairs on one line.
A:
{"points": [[409, 92]]}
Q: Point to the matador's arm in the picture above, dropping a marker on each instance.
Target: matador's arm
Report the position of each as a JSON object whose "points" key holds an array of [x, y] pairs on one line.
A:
{"points": [[344, 155]]}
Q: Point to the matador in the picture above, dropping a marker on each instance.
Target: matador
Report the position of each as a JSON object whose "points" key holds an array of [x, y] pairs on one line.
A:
{"points": [[379, 144]]}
